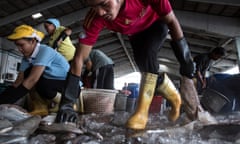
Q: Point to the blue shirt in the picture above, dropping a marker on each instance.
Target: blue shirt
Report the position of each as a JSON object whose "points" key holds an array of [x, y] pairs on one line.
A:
{"points": [[56, 66]]}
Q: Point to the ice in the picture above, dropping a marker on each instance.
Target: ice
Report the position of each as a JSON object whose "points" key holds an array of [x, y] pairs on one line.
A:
{"points": [[110, 129], [158, 130]]}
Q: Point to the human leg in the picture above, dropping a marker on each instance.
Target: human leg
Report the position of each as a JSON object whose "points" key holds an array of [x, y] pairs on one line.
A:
{"points": [[188, 91], [109, 77], [167, 89], [105, 77], [46, 96], [139, 119], [145, 48]]}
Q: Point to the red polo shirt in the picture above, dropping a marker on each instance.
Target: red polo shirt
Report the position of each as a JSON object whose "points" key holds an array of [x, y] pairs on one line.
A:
{"points": [[136, 16]]}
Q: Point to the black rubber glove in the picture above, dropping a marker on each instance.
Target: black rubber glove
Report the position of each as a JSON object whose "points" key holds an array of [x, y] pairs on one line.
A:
{"points": [[182, 52], [12, 94], [71, 92]]}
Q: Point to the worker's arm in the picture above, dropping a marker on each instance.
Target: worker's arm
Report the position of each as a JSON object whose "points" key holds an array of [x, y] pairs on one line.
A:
{"points": [[65, 33], [180, 46], [82, 53], [72, 88], [199, 75], [88, 64], [19, 79], [204, 80], [187, 67], [33, 77], [12, 94], [68, 31], [175, 29]]}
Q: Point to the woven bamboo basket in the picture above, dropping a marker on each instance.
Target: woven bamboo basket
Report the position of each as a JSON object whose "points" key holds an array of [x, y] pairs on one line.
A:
{"points": [[100, 101]]}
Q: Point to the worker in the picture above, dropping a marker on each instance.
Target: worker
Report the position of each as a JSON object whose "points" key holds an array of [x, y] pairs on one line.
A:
{"points": [[203, 64], [60, 38], [101, 68], [147, 24], [42, 68]]}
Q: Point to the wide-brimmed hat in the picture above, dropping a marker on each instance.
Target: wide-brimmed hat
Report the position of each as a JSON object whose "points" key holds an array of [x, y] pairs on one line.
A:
{"points": [[25, 31]]}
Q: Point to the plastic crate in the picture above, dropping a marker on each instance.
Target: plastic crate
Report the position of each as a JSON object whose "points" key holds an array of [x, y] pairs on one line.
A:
{"points": [[155, 106]]}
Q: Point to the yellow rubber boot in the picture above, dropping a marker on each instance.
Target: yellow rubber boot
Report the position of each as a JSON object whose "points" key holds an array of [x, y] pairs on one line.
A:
{"points": [[139, 119], [169, 91], [54, 103], [37, 105]]}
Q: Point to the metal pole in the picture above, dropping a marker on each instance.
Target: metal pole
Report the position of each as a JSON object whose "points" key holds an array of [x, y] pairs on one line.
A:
{"points": [[237, 43]]}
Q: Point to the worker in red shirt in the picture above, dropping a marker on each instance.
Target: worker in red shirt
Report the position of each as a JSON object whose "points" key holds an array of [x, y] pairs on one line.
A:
{"points": [[147, 23]]}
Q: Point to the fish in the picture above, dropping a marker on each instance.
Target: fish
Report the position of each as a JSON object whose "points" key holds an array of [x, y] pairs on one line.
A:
{"points": [[42, 139], [68, 128], [191, 103], [13, 139], [92, 133], [49, 119], [60, 128], [5, 125], [81, 139], [24, 127], [13, 112], [228, 132], [190, 97], [6, 129]]}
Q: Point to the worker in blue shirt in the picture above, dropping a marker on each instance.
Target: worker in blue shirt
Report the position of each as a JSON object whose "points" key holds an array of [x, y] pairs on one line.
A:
{"points": [[42, 68]]}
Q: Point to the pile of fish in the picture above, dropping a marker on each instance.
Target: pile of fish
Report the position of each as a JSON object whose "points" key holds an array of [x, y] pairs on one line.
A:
{"points": [[19, 127], [16, 125]]}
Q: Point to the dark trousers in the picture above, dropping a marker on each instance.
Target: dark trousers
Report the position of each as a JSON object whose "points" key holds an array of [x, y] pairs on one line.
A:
{"points": [[104, 77], [146, 46], [48, 88], [199, 86]]}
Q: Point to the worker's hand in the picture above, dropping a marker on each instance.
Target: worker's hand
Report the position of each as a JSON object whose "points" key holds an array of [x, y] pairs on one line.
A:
{"points": [[90, 73], [204, 84], [67, 114], [12, 94], [68, 31], [70, 96], [188, 69], [59, 42]]}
